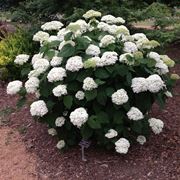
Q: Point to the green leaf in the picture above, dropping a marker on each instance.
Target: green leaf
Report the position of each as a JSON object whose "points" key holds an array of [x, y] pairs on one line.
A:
{"points": [[86, 132], [50, 104], [102, 97], [99, 82], [151, 62], [90, 95], [102, 117], [129, 78], [67, 51], [21, 102], [118, 117], [25, 71], [82, 43], [137, 126], [101, 73], [68, 101], [93, 123], [50, 53], [121, 70], [109, 91], [68, 36]]}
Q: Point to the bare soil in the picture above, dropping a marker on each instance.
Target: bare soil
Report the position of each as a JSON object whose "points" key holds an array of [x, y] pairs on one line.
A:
{"points": [[27, 152]]}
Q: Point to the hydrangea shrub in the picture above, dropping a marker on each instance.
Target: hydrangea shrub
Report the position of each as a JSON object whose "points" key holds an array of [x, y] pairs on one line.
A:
{"points": [[93, 80]]}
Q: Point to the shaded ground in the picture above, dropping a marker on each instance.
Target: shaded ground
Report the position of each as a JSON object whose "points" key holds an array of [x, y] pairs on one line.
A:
{"points": [[28, 152]]}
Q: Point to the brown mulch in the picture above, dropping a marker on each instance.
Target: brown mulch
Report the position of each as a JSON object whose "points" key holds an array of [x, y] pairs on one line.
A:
{"points": [[158, 159]]}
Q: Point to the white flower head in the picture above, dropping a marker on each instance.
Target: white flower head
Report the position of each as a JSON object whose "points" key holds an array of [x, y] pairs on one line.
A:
{"points": [[112, 20], [135, 114], [139, 84], [91, 14], [103, 26], [41, 64], [107, 40], [32, 85], [38, 108], [62, 33], [53, 38], [108, 58], [60, 90], [35, 73], [36, 57], [21, 59], [155, 56], [124, 58], [56, 61], [122, 146], [56, 74], [162, 67], [155, 83], [14, 87], [156, 125], [63, 43], [41, 36], [53, 25], [80, 95], [119, 97], [79, 116], [89, 84], [111, 133], [74, 64], [93, 50], [61, 144], [141, 139], [130, 47], [138, 36], [52, 132], [60, 121]]}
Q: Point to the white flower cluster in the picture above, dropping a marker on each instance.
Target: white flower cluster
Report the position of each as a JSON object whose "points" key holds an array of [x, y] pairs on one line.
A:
{"points": [[60, 90], [60, 121], [62, 33], [124, 58], [41, 36], [141, 139], [56, 61], [80, 95], [111, 133], [153, 83], [38, 108], [53, 25], [89, 84], [122, 146], [52, 132], [56, 74], [108, 58], [61, 144], [93, 50], [119, 97], [14, 87], [32, 84], [156, 125], [21, 59], [74, 64], [130, 47], [112, 20], [41, 65], [135, 114], [79, 116], [91, 13], [107, 40]]}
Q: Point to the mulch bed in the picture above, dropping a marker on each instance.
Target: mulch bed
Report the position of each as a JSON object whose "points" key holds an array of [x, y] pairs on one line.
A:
{"points": [[157, 159]]}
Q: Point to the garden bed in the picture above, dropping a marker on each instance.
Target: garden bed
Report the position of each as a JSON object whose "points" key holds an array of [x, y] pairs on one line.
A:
{"points": [[157, 159]]}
